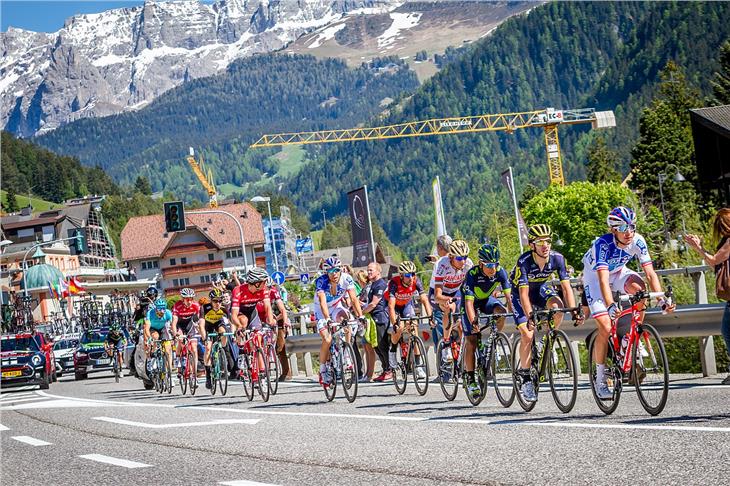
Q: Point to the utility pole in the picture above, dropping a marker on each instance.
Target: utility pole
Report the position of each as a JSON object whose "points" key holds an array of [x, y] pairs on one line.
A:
{"points": [[324, 219]]}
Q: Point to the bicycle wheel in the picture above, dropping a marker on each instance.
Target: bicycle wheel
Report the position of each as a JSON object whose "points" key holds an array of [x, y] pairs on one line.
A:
{"points": [[400, 372], [214, 369], [651, 371], [246, 376], [181, 375], [349, 374], [331, 388], [481, 378], [116, 366], [419, 365], [447, 373], [273, 368], [167, 383], [263, 375], [502, 371], [613, 375], [223, 372], [561, 372], [192, 374], [517, 381]]}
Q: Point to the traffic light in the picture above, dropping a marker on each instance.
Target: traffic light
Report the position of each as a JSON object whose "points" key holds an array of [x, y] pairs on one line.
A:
{"points": [[78, 241], [174, 216]]}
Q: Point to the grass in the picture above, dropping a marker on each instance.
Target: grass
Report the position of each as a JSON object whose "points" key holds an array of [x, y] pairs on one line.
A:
{"points": [[316, 239], [227, 189], [290, 159], [38, 204]]}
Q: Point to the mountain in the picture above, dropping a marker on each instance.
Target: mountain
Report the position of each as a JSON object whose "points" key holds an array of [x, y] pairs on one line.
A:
{"points": [[563, 55], [221, 115], [121, 59]]}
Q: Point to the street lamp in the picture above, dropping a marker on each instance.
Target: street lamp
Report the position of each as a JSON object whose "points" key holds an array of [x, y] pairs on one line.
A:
{"points": [[678, 177], [267, 200]]}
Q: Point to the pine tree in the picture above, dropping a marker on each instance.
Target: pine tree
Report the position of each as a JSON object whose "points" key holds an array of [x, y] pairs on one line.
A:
{"points": [[142, 185], [11, 202], [602, 163], [721, 80]]}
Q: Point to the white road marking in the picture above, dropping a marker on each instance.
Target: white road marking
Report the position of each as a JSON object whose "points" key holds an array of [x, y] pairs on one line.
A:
{"points": [[11, 396], [174, 426], [2, 427], [678, 428], [30, 440], [243, 482], [22, 399], [114, 461]]}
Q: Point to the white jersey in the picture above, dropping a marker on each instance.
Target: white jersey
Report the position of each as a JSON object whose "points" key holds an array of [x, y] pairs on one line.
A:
{"points": [[604, 254], [334, 299], [449, 277]]}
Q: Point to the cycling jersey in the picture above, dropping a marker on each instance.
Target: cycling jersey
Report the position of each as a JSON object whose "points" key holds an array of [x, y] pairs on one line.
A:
{"points": [[605, 254], [449, 277], [401, 292], [115, 339], [159, 324], [479, 287], [213, 318], [527, 273], [274, 296], [334, 294], [141, 311], [187, 316], [248, 302]]}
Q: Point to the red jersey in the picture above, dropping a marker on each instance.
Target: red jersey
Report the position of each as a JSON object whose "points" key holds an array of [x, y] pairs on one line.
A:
{"points": [[186, 313], [402, 293], [273, 295], [245, 300]]}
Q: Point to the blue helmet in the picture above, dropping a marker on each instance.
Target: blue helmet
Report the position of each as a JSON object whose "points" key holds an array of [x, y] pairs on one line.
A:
{"points": [[621, 215], [331, 262], [161, 304]]}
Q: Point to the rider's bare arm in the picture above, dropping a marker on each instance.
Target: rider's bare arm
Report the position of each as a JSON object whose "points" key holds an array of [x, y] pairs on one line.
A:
{"points": [[323, 304]]}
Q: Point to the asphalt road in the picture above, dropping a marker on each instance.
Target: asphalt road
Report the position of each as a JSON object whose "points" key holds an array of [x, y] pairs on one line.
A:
{"points": [[100, 432]]}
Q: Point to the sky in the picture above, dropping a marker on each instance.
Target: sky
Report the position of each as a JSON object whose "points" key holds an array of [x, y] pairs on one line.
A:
{"points": [[49, 15]]}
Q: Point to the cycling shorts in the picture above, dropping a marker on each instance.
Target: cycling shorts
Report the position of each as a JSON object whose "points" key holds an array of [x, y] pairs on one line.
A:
{"points": [[214, 326], [252, 316], [488, 306], [337, 314], [592, 289], [188, 327], [118, 344], [403, 311], [163, 334], [538, 298]]}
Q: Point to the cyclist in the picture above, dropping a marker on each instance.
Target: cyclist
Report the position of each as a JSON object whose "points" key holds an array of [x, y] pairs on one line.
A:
{"points": [[330, 292], [157, 326], [185, 314], [250, 304], [445, 294], [213, 318], [401, 290], [146, 299], [282, 325], [605, 272], [531, 276], [479, 288], [115, 339]]}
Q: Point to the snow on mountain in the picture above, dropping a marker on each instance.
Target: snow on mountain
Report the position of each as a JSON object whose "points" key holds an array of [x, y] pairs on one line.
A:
{"points": [[117, 60]]}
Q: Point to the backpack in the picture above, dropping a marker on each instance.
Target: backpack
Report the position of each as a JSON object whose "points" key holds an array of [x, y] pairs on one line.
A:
{"points": [[722, 282]]}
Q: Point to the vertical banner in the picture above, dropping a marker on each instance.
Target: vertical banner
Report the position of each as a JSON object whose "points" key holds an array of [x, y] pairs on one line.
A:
{"points": [[508, 181], [438, 207], [363, 248]]}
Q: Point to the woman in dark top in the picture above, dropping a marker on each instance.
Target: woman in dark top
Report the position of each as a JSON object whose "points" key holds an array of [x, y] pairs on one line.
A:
{"points": [[720, 233]]}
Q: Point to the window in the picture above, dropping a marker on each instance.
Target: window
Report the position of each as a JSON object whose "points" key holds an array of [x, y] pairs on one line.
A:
{"points": [[185, 281], [172, 262], [204, 278], [175, 282], [211, 256], [183, 260], [150, 264], [26, 232]]}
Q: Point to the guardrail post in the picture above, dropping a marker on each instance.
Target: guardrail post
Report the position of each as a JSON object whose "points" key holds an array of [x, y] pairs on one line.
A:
{"points": [[707, 343], [576, 352], [308, 369]]}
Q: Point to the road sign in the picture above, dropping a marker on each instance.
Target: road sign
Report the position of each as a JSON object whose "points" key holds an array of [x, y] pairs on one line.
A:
{"points": [[278, 277], [304, 278], [304, 245]]}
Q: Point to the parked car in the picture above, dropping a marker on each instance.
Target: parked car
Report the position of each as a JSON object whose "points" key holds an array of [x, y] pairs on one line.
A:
{"points": [[26, 359], [63, 351], [90, 355]]}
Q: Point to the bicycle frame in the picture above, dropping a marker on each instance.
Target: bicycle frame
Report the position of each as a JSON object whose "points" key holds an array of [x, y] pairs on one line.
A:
{"points": [[636, 331]]}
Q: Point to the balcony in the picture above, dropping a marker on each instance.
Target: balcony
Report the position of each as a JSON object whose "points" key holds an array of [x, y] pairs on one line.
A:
{"points": [[187, 248], [198, 287], [190, 268]]}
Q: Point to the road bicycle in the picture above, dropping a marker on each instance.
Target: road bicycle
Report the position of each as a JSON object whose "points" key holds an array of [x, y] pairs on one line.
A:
{"points": [[639, 358], [342, 362], [252, 369], [116, 356], [187, 373], [160, 367], [448, 356], [492, 362], [273, 366], [218, 363], [552, 358], [412, 356]]}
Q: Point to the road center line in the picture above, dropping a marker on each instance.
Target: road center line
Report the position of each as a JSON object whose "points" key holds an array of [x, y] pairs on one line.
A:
{"points": [[114, 461], [243, 482], [174, 426], [30, 440], [2, 427]]}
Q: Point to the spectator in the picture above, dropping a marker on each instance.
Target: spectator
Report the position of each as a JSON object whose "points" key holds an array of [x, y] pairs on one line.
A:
{"points": [[442, 249], [721, 235], [370, 331], [377, 309]]}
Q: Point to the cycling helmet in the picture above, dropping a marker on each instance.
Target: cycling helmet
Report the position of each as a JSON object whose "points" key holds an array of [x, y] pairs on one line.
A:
{"points": [[215, 294], [406, 267], [331, 262], [538, 232], [619, 216], [152, 292], [459, 248], [161, 304], [187, 293], [489, 254], [256, 274]]}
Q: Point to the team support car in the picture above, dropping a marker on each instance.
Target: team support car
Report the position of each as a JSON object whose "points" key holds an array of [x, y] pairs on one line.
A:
{"points": [[63, 351], [90, 356], [26, 359]]}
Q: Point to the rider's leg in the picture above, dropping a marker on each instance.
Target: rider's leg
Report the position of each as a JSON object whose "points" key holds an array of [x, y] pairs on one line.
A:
{"points": [[281, 349], [526, 336], [324, 349], [556, 302]]}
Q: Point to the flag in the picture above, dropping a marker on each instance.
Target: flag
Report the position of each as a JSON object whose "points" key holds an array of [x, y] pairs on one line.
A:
{"points": [[54, 292], [74, 287], [508, 181], [438, 206], [63, 287]]}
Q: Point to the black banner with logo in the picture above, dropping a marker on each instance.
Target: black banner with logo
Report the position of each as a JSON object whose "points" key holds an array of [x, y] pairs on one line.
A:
{"points": [[363, 249]]}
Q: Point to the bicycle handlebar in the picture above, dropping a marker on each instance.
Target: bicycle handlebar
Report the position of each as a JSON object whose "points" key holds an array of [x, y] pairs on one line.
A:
{"points": [[643, 294], [549, 313]]}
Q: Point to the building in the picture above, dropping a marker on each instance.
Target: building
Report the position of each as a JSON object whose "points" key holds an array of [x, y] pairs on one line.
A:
{"points": [[711, 134], [210, 244], [284, 242]]}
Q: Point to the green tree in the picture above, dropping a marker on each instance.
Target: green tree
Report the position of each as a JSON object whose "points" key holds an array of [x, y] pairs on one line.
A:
{"points": [[11, 202], [577, 214], [602, 162], [721, 79], [142, 185]]}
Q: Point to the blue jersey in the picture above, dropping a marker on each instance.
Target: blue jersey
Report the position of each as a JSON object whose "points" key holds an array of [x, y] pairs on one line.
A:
{"points": [[604, 254], [527, 273], [478, 286], [158, 323], [334, 294]]}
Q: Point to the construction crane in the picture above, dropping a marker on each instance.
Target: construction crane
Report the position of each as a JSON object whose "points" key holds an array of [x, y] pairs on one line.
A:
{"points": [[205, 177], [549, 119]]}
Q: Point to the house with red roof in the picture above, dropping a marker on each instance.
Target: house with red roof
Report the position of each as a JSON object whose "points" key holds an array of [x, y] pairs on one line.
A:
{"points": [[192, 258]]}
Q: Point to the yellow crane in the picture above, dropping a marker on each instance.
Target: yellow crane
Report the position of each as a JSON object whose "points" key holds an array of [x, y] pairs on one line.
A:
{"points": [[549, 119], [204, 176]]}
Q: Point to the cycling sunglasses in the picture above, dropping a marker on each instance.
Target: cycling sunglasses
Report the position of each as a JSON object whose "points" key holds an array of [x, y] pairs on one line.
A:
{"points": [[408, 275], [334, 270], [258, 284], [626, 227], [543, 242], [217, 301], [489, 264], [460, 258]]}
